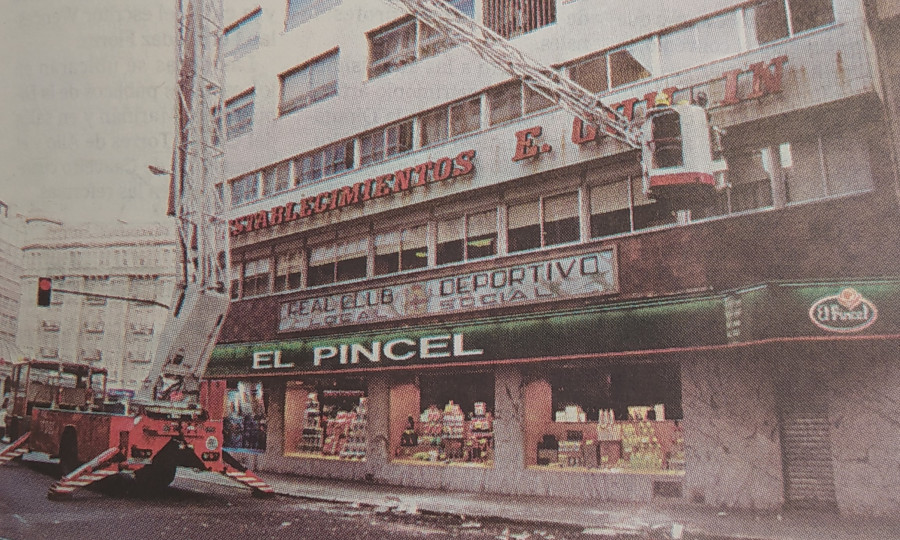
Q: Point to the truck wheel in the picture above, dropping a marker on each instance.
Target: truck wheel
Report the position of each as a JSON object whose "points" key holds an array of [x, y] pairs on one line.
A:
{"points": [[68, 451]]}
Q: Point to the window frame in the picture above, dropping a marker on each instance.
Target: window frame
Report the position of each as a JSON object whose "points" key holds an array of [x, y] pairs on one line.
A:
{"points": [[249, 22], [309, 71], [235, 106], [311, 10]]}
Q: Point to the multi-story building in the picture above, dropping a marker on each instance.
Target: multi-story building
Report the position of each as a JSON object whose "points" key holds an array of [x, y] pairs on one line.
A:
{"points": [[120, 260], [441, 279], [11, 231]]}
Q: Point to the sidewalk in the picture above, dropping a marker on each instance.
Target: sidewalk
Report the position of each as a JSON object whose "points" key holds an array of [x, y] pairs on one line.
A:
{"points": [[600, 516]]}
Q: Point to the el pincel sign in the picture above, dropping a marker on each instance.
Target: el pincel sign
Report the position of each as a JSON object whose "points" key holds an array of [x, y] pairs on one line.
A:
{"points": [[844, 312]]}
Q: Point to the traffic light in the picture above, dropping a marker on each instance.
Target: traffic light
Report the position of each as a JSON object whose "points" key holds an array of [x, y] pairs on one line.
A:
{"points": [[45, 287]]}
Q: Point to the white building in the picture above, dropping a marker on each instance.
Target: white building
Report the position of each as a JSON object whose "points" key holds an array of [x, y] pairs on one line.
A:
{"points": [[412, 226], [11, 235], [121, 260]]}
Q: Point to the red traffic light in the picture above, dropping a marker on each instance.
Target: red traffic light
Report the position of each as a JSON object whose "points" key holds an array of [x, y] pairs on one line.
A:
{"points": [[45, 288]]}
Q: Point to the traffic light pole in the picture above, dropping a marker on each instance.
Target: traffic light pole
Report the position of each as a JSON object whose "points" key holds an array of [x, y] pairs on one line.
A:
{"points": [[113, 297]]}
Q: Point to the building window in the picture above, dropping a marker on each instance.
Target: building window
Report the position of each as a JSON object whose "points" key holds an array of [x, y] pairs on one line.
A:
{"points": [[236, 273], [450, 121], [93, 327], [511, 19], [276, 178], [750, 180], [241, 37], [288, 271], [328, 161], [239, 115], [49, 352], [407, 41], [91, 355], [300, 11], [466, 238], [769, 21], [546, 222], [383, 143], [245, 189], [402, 250], [337, 263], [327, 417], [616, 68], [610, 209], [649, 212], [309, 83], [699, 43], [256, 277]]}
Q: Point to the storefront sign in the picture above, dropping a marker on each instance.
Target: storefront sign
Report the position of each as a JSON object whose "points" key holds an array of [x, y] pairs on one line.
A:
{"points": [[429, 347], [847, 311], [560, 278], [379, 186]]}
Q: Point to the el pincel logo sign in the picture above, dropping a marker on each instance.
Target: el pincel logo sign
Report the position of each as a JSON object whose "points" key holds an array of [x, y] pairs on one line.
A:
{"points": [[845, 312]]}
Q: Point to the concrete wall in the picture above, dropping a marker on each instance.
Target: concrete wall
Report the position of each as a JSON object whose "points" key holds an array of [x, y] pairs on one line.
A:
{"points": [[865, 430], [732, 443]]}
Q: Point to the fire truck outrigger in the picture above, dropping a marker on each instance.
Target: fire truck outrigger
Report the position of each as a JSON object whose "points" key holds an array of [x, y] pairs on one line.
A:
{"points": [[175, 419]]}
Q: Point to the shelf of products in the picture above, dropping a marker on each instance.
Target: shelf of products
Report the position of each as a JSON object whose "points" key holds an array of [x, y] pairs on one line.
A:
{"points": [[446, 436], [312, 437], [638, 444]]}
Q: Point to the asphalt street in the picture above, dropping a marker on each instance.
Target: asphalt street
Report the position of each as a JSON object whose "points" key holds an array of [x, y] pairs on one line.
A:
{"points": [[199, 510]]}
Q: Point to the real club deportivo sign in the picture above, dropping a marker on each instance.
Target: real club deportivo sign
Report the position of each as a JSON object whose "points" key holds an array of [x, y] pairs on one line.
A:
{"points": [[845, 312], [587, 274]]}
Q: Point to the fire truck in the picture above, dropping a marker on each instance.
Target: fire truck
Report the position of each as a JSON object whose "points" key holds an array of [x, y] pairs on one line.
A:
{"points": [[175, 419]]}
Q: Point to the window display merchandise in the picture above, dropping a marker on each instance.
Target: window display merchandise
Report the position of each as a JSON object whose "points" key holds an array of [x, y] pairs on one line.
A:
{"points": [[330, 423], [449, 435], [244, 425]]}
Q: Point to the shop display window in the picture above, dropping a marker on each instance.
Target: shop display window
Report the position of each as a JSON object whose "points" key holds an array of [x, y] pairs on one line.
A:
{"points": [[614, 418], [444, 419], [326, 419], [244, 425]]}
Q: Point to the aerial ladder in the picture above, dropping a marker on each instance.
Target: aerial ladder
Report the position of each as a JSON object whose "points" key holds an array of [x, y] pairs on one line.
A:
{"points": [[175, 418], [676, 143]]}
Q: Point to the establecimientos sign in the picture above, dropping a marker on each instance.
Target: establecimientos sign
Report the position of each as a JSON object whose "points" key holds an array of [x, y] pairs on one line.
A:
{"points": [[586, 274]]}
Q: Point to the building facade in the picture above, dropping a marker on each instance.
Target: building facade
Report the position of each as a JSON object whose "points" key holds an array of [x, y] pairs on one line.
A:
{"points": [[442, 280], [119, 260]]}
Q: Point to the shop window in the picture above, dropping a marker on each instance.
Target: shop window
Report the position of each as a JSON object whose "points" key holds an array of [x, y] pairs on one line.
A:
{"points": [[648, 212], [610, 209], [288, 271], [546, 222], [328, 161], [622, 418], [309, 83], [276, 178], [244, 425], [399, 251], [244, 189], [453, 422], [326, 418], [699, 43], [239, 115], [383, 143], [300, 11], [256, 277], [511, 19], [337, 263], [241, 37], [467, 237]]}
